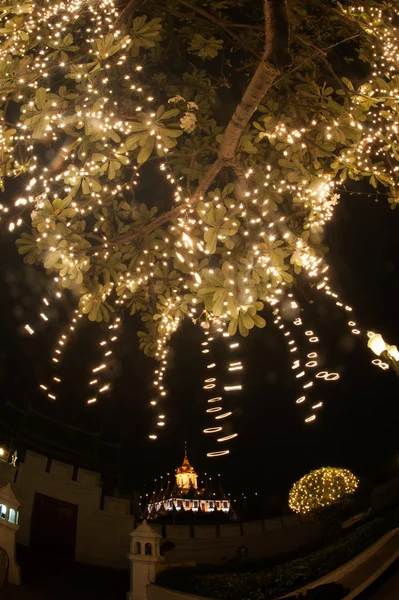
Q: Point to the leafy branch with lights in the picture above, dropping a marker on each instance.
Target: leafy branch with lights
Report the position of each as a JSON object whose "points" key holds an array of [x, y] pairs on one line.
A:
{"points": [[98, 96]]}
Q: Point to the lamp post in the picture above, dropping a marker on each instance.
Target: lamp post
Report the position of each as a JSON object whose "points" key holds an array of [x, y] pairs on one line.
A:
{"points": [[378, 345], [4, 455]]}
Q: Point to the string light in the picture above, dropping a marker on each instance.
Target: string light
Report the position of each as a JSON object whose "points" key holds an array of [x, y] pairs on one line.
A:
{"points": [[293, 344], [228, 437], [321, 488], [172, 266], [218, 453], [210, 383], [101, 385], [224, 415]]}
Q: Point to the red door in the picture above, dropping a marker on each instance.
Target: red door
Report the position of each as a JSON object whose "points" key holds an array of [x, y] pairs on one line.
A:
{"points": [[53, 527]]}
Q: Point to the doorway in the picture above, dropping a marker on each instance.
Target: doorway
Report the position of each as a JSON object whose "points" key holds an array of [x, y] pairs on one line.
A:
{"points": [[53, 527]]}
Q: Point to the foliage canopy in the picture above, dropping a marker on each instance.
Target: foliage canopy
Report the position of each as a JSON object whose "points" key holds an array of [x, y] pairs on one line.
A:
{"points": [[147, 186]]}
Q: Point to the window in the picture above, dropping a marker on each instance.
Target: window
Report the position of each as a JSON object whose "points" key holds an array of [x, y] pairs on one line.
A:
{"points": [[11, 516], [3, 510], [137, 548], [148, 549]]}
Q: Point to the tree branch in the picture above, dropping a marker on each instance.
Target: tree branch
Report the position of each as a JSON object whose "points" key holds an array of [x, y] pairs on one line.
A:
{"points": [[215, 168], [223, 26], [275, 58], [129, 8]]}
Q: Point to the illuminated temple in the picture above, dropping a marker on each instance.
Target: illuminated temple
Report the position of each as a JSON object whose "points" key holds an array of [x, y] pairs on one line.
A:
{"points": [[186, 496]]}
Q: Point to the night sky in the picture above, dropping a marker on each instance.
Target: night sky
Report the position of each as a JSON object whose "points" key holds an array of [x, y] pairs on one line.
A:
{"points": [[357, 427]]}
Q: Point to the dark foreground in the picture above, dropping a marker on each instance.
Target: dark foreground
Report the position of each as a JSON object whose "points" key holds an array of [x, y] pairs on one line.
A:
{"points": [[47, 577], [386, 587]]}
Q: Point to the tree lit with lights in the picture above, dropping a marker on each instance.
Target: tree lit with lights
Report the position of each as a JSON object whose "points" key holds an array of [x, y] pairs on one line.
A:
{"points": [[97, 96], [321, 488]]}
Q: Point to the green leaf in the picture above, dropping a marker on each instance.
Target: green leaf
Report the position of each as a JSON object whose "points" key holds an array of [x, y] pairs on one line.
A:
{"points": [[145, 35], [52, 258], [111, 170], [218, 305], [146, 150], [122, 159], [205, 47], [41, 95], [241, 327], [373, 181], [169, 114], [210, 237], [137, 127], [132, 141], [99, 157], [259, 321], [247, 320], [232, 329], [174, 133], [348, 84], [85, 187]]}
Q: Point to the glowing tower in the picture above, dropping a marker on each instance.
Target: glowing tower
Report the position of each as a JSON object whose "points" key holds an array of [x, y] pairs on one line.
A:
{"points": [[186, 477], [186, 496]]}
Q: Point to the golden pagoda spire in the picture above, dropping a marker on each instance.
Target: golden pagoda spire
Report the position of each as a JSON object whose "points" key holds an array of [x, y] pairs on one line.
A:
{"points": [[186, 475], [186, 462]]}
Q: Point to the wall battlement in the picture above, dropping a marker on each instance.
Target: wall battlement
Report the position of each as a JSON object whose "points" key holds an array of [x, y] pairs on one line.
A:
{"points": [[102, 534], [103, 527]]}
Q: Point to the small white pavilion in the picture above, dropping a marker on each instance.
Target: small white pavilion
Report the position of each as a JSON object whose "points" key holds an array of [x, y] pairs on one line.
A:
{"points": [[9, 518]]}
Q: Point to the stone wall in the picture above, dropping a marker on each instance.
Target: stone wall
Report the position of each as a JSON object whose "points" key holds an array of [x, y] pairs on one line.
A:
{"points": [[102, 536], [155, 592], [216, 544], [219, 543]]}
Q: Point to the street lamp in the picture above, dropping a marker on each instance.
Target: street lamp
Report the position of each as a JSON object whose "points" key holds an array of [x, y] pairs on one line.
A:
{"points": [[378, 345]]}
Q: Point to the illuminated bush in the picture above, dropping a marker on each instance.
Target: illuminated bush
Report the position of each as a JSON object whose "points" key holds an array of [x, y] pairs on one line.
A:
{"points": [[321, 488]]}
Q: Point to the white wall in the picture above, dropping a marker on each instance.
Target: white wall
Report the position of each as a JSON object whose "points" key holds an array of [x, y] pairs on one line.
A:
{"points": [[102, 536], [212, 544], [155, 592]]}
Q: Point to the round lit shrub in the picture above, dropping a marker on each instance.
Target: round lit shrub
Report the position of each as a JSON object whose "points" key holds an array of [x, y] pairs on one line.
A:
{"points": [[321, 488]]}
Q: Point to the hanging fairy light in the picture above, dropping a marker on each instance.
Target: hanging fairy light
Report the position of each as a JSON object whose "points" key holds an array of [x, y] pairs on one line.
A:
{"points": [[305, 365], [99, 385], [67, 186], [210, 383]]}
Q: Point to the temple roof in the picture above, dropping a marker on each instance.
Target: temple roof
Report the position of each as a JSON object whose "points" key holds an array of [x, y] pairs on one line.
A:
{"points": [[145, 531], [185, 488], [186, 467], [7, 494]]}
